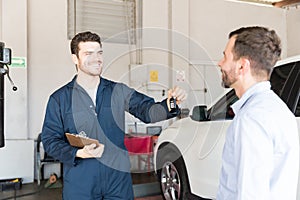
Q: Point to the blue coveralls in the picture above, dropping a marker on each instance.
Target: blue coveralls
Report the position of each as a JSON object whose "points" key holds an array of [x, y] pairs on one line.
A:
{"points": [[71, 110]]}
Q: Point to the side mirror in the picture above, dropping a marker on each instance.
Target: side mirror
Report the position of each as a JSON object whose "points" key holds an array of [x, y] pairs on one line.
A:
{"points": [[199, 113]]}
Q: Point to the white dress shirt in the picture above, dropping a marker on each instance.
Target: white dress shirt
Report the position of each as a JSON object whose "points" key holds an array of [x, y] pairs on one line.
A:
{"points": [[261, 153]]}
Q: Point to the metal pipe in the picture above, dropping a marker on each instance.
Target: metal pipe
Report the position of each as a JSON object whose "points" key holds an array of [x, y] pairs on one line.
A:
{"points": [[170, 42], [1, 98]]}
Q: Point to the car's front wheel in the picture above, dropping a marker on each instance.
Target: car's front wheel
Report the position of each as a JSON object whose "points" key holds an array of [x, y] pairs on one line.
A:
{"points": [[172, 175]]}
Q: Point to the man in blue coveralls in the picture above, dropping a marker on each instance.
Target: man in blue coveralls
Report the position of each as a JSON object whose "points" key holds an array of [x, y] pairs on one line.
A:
{"points": [[96, 106]]}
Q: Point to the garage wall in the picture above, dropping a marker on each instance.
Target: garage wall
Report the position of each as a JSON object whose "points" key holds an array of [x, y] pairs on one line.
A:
{"points": [[206, 23], [210, 23], [37, 30], [14, 35], [213, 20], [293, 31], [18, 150], [49, 61]]}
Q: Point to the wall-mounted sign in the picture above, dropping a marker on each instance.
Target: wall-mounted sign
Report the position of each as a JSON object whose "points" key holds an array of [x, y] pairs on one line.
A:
{"points": [[153, 76], [180, 76], [18, 62]]}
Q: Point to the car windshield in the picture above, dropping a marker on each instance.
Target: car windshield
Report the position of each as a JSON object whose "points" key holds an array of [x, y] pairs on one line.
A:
{"points": [[279, 77], [222, 110]]}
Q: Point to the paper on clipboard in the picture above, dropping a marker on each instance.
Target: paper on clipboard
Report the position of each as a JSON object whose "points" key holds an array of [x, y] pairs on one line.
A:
{"points": [[79, 141]]}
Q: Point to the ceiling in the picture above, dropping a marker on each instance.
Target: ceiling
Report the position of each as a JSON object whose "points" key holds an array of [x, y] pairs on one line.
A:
{"points": [[274, 3]]}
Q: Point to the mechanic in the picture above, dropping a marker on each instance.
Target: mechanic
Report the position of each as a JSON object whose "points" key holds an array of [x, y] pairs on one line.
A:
{"points": [[96, 106]]}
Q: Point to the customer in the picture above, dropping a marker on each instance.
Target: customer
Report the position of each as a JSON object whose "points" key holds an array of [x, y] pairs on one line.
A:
{"points": [[96, 106], [261, 152]]}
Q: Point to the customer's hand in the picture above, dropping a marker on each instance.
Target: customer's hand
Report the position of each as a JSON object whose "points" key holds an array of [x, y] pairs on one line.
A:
{"points": [[90, 151]]}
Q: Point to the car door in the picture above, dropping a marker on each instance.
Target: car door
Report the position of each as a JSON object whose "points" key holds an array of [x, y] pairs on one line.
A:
{"points": [[204, 156]]}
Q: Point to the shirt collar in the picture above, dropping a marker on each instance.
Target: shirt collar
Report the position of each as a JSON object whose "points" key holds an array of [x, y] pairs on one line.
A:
{"points": [[252, 91]]}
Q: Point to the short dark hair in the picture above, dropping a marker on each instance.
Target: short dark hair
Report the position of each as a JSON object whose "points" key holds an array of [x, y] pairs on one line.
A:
{"points": [[83, 37], [258, 44]]}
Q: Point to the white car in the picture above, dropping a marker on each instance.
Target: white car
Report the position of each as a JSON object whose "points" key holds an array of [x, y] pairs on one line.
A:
{"points": [[188, 153]]}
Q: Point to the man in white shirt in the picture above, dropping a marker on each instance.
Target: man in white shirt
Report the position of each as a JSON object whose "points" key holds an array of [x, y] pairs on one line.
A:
{"points": [[261, 153]]}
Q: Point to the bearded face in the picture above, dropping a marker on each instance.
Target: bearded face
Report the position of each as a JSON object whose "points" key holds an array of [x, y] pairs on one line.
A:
{"points": [[228, 65]]}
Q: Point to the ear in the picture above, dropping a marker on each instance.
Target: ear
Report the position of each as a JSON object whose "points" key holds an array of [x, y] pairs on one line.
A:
{"points": [[75, 59], [245, 66]]}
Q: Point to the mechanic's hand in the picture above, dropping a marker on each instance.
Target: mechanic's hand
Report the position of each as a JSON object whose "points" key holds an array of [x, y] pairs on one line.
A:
{"points": [[178, 93], [90, 151]]}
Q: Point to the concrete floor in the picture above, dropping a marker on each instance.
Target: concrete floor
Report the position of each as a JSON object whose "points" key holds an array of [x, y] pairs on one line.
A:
{"points": [[144, 184]]}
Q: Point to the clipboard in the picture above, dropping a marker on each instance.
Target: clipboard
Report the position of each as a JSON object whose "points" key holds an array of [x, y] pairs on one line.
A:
{"points": [[80, 141]]}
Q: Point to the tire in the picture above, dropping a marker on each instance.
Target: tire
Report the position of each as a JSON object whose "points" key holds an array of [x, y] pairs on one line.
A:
{"points": [[172, 175]]}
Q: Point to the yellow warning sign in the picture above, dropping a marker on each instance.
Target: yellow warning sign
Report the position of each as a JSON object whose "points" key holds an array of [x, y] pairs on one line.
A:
{"points": [[153, 76]]}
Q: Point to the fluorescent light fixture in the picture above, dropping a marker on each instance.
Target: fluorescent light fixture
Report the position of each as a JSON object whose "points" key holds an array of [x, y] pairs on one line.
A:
{"points": [[255, 2]]}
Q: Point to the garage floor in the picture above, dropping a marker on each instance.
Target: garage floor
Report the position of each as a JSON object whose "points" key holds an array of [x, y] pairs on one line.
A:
{"points": [[145, 188]]}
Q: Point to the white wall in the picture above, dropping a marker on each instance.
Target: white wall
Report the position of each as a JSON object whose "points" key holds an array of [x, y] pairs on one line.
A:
{"points": [[49, 57], [49, 61], [37, 30], [293, 31], [17, 145], [213, 20], [14, 35], [208, 24]]}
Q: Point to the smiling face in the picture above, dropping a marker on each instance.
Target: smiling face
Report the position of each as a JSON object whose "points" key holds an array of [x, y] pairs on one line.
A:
{"points": [[89, 60], [229, 66]]}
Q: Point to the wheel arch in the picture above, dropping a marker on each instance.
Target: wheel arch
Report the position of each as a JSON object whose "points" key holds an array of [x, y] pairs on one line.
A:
{"points": [[174, 149]]}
